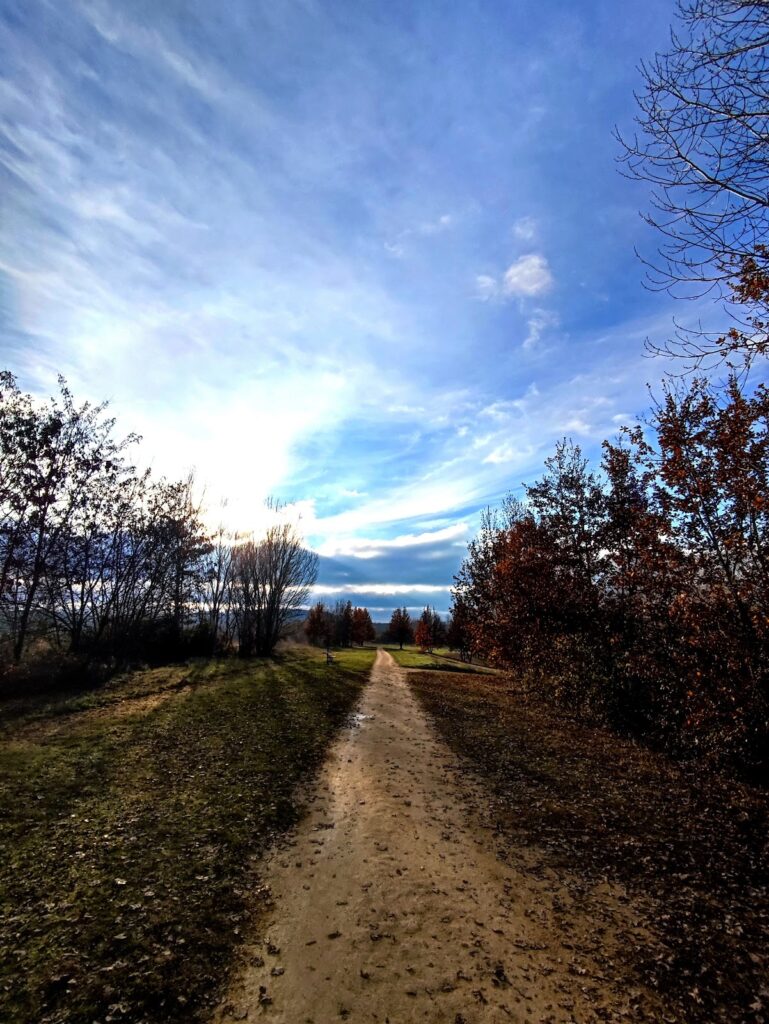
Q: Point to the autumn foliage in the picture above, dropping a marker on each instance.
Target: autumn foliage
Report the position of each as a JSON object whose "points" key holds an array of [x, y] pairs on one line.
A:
{"points": [[640, 592], [430, 632], [341, 626]]}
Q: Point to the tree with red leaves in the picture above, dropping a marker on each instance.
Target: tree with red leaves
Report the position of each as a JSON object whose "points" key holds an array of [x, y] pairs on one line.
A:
{"points": [[318, 625], [640, 596], [362, 627]]}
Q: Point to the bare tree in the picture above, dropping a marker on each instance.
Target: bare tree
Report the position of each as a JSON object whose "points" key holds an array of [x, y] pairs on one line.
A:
{"points": [[703, 144], [215, 586], [184, 545], [104, 561], [54, 459], [81, 565], [271, 582]]}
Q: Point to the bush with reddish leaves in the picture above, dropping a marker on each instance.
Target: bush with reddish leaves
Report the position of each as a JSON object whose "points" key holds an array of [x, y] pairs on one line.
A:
{"points": [[641, 594]]}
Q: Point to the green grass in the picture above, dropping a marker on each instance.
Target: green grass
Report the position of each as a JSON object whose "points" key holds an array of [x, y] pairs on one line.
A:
{"points": [[442, 659], [129, 823]]}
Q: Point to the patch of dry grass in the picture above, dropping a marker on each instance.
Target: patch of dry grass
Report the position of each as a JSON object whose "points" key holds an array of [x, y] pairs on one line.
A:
{"points": [[130, 818]]}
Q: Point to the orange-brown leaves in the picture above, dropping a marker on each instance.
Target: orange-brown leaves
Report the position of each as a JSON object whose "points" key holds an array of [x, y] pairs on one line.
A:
{"points": [[642, 594]]}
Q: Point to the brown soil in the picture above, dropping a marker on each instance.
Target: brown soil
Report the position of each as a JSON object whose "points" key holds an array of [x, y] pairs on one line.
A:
{"points": [[390, 904]]}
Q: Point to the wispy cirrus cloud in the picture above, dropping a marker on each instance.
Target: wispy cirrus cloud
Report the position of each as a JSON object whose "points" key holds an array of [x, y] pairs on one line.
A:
{"points": [[380, 589], [487, 287], [362, 547], [398, 246], [539, 323], [525, 229], [262, 232]]}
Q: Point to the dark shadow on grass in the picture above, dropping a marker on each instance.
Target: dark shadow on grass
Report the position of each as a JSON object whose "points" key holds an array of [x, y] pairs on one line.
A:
{"points": [[127, 842], [691, 843]]}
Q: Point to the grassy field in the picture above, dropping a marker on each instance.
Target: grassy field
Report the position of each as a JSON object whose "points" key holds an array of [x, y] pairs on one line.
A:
{"points": [[692, 846], [442, 659], [130, 818]]}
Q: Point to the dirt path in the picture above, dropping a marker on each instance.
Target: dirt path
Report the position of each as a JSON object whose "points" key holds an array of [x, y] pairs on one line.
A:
{"points": [[390, 904]]}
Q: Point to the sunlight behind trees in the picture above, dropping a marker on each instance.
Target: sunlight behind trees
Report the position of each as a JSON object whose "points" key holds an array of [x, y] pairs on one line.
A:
{"points": [[101, 563]]}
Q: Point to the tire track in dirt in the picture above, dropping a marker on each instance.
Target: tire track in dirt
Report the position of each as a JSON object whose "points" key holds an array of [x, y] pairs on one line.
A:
{"points": [[390, 904]]}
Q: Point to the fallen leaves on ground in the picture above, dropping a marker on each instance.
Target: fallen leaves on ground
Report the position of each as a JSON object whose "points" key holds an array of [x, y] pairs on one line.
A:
{"points": [[691, 844], [128, 842]]}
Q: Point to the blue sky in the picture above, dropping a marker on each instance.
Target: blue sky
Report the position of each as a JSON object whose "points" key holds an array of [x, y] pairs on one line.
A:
{"points": [[371, 258]]}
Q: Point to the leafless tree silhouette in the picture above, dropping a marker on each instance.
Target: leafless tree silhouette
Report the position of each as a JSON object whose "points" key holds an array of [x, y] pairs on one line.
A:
{"points": [[703, 144]]}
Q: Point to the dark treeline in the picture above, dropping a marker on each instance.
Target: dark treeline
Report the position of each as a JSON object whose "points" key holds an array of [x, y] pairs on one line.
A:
{"points": [[429, 632], [102, 563], [340, 626], [640, 592], [400, 629]]}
